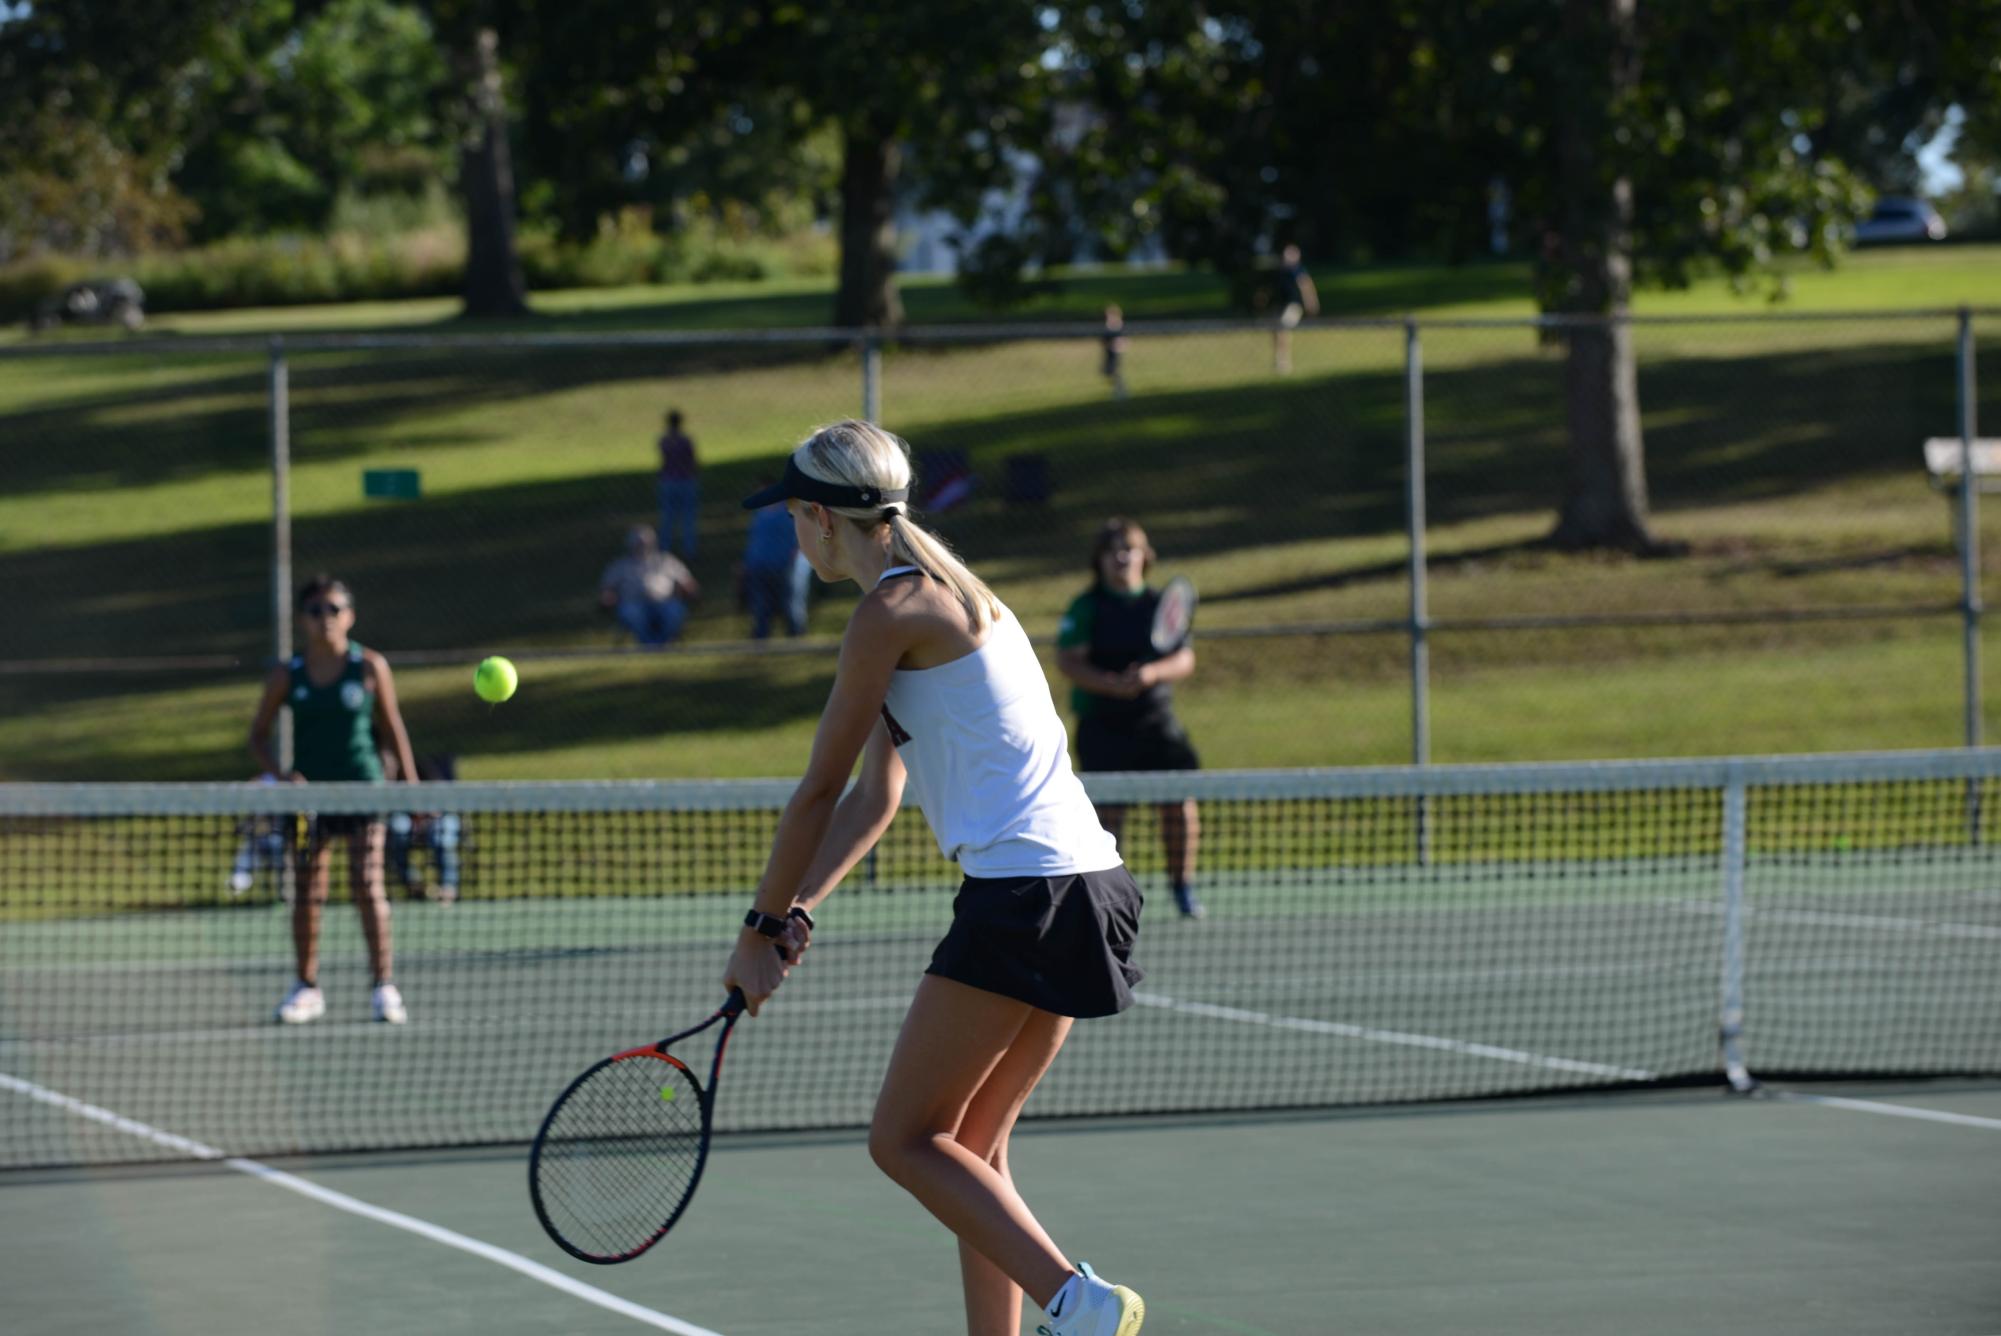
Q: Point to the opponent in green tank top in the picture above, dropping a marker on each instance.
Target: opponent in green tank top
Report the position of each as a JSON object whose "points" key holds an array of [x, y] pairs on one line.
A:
{"points": [[333, 726]]}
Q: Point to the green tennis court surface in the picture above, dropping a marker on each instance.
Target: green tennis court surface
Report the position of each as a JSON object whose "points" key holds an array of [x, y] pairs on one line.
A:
{"points": [[1614, 939], [1637, 1213]]}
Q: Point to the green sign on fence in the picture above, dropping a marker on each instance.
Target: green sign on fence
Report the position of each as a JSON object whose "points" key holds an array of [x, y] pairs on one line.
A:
{"points": [[391, 484]]}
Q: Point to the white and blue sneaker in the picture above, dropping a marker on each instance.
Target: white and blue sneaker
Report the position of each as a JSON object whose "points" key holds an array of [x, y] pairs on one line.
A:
{"points": [[304, 1003], [386, 1004], [1088, 1306]]}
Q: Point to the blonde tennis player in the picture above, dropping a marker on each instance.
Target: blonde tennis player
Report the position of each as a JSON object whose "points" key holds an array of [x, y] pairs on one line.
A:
{"points": [[939, 688]]}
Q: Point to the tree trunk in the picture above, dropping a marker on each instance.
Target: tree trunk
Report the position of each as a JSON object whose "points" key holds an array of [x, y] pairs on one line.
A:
{"points": [[1605, 500], [493, 283], [867, 295]]}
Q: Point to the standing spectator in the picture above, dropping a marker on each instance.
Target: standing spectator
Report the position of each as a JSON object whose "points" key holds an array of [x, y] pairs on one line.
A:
{"points": [[1123, 692], [647, 589], [341, 696], [1297, 299], [774, 573], [1115, 350], [680, 490]]}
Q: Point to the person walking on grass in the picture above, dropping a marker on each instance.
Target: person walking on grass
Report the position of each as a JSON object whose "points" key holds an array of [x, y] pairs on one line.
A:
{"points": [[340, 694], [938, 687], [1297, 298]]}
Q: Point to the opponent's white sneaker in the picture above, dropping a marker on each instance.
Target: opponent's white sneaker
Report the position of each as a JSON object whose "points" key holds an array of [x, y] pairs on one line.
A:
{"points": [[302, 1004], [1100, 1309], [386, 1004]]}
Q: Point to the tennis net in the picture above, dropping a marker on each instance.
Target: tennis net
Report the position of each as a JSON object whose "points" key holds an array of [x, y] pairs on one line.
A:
{"points": [[1373, 936]]}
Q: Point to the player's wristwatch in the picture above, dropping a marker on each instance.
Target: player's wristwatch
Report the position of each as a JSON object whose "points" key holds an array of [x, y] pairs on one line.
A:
{"points": [[770, 925]]}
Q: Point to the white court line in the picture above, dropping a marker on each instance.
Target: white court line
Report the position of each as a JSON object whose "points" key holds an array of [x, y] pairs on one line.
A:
{"points": [[1892, 1110], [1347, 1031], [1830, 919], [355, 1206], [262, 1030]]}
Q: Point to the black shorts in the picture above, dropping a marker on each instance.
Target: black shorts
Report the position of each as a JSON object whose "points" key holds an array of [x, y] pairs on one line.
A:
{"points": [[327, 825], [1154, 743], [1063, 944]]}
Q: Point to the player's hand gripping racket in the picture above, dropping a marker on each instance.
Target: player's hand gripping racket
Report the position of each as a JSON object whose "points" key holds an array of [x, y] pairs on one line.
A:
{"points": [[1174, 615], [619, 1156]]}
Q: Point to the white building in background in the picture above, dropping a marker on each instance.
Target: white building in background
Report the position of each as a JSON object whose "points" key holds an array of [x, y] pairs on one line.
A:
{"points": [[931, 240]]}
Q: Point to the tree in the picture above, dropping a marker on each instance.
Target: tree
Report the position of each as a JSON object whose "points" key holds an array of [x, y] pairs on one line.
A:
{"points": [[1641, 142], [92, 123], [951, 87], [493, 282], [1688, 135], [306, 102], [1605, 495]]}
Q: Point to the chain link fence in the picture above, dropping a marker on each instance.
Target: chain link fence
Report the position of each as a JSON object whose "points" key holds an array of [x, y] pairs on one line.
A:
{"points": [[1355, 609]]}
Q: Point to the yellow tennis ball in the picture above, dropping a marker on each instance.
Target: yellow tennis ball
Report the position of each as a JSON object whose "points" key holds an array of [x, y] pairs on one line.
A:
{"points": [[495, 679]]}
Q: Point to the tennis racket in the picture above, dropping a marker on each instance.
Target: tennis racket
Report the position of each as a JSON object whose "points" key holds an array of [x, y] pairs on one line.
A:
{"points": [[621, 1152], [1174, 615]]}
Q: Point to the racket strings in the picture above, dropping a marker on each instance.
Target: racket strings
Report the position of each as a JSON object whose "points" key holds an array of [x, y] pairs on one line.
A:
{"points": [[620, 1155]]}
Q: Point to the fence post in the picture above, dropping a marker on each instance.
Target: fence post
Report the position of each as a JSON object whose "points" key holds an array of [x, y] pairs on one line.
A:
{"points": [[281, 531], [871, 378], [1730, 1030], [1969, 530], [1420, 620]]}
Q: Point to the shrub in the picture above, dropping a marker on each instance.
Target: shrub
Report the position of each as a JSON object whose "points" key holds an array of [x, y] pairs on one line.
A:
{"points": [[366, 263]]}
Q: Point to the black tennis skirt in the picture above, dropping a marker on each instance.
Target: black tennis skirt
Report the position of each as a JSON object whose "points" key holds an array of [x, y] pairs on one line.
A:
{"points": [[1063, 944], [1154, 742]]}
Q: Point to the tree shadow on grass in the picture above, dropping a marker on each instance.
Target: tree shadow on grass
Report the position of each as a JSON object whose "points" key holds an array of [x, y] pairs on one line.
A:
{"points": [[1212, 473], [616, 704], [341, 403]]}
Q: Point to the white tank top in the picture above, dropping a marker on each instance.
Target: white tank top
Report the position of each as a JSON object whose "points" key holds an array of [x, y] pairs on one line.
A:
{"points": [[989, 762]]}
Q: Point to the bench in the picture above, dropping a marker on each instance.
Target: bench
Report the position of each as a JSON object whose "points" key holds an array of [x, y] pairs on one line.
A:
{"points": [[1945, 454]]}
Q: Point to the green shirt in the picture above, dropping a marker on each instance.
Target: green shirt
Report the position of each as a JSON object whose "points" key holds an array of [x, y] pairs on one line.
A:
{"points": [[1116, 628], [333, 726]]}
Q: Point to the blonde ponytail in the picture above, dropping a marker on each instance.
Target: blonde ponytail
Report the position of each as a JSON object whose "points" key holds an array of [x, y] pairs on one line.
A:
{"points": [[911, 542], [863, 455]]}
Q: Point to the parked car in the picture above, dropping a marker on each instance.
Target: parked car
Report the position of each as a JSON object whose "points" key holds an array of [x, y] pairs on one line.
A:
{"points": [[97, 301], [1898, 219]]}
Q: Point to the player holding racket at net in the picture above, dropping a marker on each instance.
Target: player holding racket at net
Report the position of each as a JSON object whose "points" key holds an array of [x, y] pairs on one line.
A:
{"points": [[1123, 657], [939, 688]]}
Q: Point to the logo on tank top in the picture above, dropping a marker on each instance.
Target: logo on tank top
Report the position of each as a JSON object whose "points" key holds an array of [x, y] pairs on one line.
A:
{"points": [[298, 693], [898, 735], [352, 694]]}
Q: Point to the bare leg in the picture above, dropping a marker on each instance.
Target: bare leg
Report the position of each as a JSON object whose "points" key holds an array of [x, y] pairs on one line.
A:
{"points": [[371, 899], [953, 1042], [1181, 832], [308, 898], [993, 1302]]}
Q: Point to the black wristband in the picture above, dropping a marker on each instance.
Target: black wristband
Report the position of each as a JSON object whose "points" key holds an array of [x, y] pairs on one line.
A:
{"points": [[799, 912], [764, 923]]}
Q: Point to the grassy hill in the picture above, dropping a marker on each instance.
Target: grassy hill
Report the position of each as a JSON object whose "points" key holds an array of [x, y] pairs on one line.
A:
{"points": [[136, 520]]}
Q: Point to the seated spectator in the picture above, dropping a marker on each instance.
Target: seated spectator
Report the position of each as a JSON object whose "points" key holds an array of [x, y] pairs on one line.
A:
{"points": [[261, 848], [437, 833], [774, 572], [648, 590]]}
